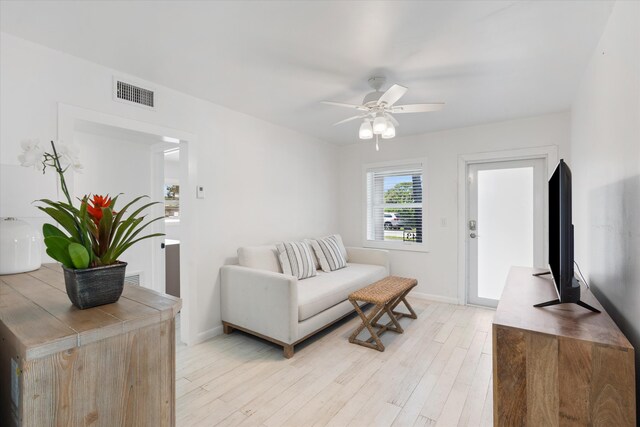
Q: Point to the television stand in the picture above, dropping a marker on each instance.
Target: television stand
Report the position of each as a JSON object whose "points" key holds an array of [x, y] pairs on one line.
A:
{"points": [[557, 367], [557, 301]]}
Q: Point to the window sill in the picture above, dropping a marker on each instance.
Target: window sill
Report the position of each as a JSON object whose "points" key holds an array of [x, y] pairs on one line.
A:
{"points": [[172, 220], [396, 246]]}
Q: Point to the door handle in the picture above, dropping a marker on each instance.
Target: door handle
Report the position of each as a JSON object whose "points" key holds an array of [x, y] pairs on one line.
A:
{"points": [[473, 235]]}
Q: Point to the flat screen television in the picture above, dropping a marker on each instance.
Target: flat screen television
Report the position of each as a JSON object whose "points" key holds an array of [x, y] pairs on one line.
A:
{"points": [[561, 240]]}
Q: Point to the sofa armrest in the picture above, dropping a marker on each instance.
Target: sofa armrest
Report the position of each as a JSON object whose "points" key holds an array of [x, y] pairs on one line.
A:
{"points": [[369, 256], [260, 301]]}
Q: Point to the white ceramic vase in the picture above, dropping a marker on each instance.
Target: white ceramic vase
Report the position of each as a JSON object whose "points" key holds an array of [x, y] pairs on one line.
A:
{"points": [[20, 246]]}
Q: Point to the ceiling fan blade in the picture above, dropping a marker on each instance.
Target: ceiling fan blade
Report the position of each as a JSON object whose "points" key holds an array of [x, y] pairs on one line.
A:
{"points": [[392, 120], [350, 118], [392, 95], [342, 104], [417, 108]]}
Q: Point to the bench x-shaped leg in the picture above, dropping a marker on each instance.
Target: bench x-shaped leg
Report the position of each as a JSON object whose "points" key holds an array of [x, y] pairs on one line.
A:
{"points": [[402, 298], [366, 323], [388, 309], [395, 315]]}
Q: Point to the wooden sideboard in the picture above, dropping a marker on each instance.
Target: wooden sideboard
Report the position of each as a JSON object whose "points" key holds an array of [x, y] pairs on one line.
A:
{"points": [[112, 365], [560, 365]]}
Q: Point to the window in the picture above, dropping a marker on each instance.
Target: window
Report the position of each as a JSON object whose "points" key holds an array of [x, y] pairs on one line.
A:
{"points": [[395, 210], [172, 201]]}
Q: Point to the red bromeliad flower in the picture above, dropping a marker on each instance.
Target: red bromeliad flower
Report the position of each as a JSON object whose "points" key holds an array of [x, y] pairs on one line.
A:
{"points": [[98, 202]]}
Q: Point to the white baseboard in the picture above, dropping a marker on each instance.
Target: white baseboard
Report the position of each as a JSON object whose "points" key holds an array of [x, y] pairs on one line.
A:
{"points": [[436, 298], [207, 335]]}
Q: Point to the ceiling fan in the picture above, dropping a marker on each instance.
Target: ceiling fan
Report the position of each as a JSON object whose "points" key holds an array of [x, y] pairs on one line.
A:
{"points": [[378, 107]]}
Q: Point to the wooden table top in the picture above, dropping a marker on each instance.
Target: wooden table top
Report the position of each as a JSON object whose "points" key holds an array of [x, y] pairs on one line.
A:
{"points": [[37, 315], [516, 310]]}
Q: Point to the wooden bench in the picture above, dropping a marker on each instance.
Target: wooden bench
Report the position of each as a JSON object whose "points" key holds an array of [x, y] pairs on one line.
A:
{"points": [[385, 294]]}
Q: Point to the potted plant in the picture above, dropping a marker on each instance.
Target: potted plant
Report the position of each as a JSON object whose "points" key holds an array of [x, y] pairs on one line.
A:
{"points": [[92, 236]]}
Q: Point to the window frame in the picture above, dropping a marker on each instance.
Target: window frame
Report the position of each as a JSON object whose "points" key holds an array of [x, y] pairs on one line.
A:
{"points": [[396, 245]]}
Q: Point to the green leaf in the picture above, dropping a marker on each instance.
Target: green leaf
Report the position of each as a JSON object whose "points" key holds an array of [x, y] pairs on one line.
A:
{"points": [[49, 230], [79, 255], [131, 237], [126, 246], [105, 230], [79, 234], [63, 218], [60, 258], [124, 209], [57, 248], [87, 226], [131, 234]]}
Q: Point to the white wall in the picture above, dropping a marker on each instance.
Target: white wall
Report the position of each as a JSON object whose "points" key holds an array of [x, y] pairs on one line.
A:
{"points": [[437, 270], [172, 171], [263, 182], [605, 151]]}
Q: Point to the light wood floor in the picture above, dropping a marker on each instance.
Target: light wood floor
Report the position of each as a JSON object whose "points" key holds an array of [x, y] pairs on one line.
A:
{"points": [[437, 373]]}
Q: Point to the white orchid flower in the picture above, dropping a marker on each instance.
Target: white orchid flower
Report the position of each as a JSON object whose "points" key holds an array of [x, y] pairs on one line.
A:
{"points": [[69, 156], [76, 166], [32, 154], [35, 156]]}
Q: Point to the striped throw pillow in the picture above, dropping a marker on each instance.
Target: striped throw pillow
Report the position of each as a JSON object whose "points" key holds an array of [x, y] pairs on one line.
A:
{"points": [[296, 259], [329, 254]]}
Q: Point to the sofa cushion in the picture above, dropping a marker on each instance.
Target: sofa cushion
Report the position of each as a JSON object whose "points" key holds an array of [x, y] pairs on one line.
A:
{"points": [[325, 290], [260, 257], [329, 254], [296, 259]]}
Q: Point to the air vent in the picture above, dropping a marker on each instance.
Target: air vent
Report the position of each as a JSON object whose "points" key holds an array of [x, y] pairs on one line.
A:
{"points": [[135, 94], [133, 279]]}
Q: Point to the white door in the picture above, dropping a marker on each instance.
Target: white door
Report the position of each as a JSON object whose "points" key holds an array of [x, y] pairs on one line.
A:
{"points": [[506, 224]]}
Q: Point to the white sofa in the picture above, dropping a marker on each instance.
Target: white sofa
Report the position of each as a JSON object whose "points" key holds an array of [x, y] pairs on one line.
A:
{"points": [[256, 297]]}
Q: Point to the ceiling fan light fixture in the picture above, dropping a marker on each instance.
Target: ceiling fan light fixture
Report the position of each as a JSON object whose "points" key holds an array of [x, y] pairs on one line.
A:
{"points": [[390, 132], [378, 107], [379, 124], [366, 132]]}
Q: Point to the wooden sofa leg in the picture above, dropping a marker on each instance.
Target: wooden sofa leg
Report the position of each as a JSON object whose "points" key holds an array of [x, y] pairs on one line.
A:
{"points": [[288, 351], [226, 328]]}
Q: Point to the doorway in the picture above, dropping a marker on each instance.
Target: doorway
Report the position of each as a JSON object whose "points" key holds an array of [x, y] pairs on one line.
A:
{"points": [[171, 196], [548, 155], [505, 224], [128, 156]]}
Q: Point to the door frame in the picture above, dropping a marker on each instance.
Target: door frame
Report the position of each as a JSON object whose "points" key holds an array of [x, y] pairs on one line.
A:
{"points": [[69, 114], [548, 153]]}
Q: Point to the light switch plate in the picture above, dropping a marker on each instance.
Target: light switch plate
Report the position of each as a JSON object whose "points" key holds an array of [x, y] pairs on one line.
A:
{"points": [[200, 192]]}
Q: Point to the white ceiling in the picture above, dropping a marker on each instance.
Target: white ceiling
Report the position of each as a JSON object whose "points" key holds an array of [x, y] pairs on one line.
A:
{"points": [[488, 60]]}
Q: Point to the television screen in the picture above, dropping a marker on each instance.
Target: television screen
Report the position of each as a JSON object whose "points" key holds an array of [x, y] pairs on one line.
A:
{"points": [[561, 230], [561, 240]]}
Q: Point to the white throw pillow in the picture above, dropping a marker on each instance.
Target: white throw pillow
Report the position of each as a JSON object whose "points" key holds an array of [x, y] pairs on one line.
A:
{"points": [[341, 246], [313, 253], [329, 254], [296, 259]]}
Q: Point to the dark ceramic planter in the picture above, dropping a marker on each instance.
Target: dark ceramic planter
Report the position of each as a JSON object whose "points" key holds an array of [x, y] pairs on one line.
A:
{"points": [[95, 286]]}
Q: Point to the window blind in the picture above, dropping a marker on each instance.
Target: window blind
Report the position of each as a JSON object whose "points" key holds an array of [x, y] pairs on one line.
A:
{"points": [[394, 204]]}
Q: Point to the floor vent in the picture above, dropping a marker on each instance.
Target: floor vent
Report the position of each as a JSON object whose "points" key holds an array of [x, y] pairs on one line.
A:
{"points": [[134, 279], [135, 94]]}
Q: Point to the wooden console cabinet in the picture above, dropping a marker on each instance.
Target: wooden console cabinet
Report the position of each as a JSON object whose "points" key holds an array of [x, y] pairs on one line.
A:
{"points": [[559, 365], [112, 365]]}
